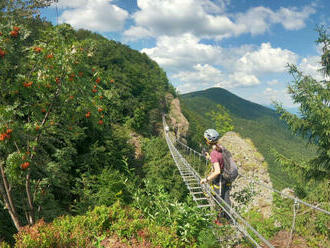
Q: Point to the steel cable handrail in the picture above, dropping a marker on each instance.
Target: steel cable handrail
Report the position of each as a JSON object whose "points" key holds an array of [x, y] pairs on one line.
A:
{"points": [[268, 187]]}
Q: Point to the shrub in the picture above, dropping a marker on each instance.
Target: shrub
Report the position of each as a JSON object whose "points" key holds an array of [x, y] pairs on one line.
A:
{"points": [[186, 219], [4, 245], [101, 223]]}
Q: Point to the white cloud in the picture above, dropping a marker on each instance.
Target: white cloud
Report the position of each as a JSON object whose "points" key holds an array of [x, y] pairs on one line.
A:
{"points": [[242, 79], [71, 3], [134, 32], [243, 65], [215, 7], [266, 59], [208, 19], [311, 66], [259, 19], [255, 21], [96, 15], [270, 91], [269, 95], [293, 19], [202, 76], [174, 17], [182, 52]]}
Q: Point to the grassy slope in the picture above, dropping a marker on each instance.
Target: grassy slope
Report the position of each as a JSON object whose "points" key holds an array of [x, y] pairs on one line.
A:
{"points": [[262, 125]]}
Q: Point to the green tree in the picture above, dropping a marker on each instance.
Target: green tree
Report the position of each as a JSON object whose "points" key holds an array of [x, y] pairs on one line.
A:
{"points": [[314, 123], [222, 120], [48, 93], [22, 8]]}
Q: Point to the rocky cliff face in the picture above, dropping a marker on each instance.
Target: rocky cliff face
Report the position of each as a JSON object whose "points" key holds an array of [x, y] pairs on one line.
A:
{"points": [[176, 120], [250, 163]]}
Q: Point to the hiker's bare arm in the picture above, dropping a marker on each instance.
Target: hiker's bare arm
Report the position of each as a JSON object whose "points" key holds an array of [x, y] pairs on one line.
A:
{"points": [[207, 156], [214, 174]]}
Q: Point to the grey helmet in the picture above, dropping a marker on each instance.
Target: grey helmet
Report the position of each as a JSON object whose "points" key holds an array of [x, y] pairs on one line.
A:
{"points": [[211, 136]]}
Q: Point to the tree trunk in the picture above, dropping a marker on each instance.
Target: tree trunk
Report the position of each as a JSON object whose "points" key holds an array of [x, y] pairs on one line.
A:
{"points": [[7, 198], [28, 193]]}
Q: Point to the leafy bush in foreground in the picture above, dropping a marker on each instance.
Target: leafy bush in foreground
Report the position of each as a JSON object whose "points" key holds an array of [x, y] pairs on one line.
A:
{"points": [[188, 221], [96, 226]]}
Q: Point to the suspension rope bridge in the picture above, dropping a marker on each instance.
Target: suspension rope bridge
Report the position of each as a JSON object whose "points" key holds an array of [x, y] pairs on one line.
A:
{"points": [[198, 192], [204, 197], [295, 199]]}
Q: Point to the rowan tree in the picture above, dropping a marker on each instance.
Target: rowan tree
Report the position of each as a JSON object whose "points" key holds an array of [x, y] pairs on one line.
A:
{"points": [[48, 93]]}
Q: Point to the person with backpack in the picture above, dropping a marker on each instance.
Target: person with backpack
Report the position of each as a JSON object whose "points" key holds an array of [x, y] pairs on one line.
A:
{"points": [[224, 170]]}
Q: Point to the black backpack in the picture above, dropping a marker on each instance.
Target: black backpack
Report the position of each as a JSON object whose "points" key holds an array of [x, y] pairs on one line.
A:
{"points": [[230, 171]]}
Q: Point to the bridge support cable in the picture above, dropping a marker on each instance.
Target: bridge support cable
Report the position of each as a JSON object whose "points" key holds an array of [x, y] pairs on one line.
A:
{"points": [[192, 180], [295, 208], [295, 199]]}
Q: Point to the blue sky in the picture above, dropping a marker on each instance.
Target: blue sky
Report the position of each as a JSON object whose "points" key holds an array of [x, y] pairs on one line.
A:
{"points": [[240, 45]]}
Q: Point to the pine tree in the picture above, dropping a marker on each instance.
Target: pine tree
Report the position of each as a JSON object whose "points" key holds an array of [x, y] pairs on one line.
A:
{"points": [[314, 123]]}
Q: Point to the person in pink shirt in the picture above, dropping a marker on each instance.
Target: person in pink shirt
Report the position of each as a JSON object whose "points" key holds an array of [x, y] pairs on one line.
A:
{"points": [[220, 186]]}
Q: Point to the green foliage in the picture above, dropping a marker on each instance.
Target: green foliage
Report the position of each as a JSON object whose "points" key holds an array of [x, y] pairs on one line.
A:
{"points": [[309, 224], [4, 245], [197, 127], [65, 97], [222, 120], [102, 189], [87, 230], [70, 99], [244, 196], [21, 8], [83, 34], [207, 239], [7, 228], [266, 227], [159, 168], [138, 83], [314, 124], [45, 97], [186, 219]]}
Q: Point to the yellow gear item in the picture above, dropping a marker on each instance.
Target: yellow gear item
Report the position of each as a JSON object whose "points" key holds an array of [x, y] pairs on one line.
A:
{"points": [[213, 188]]}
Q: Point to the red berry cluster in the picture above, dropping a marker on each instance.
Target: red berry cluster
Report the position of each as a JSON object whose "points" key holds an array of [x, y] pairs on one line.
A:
{"points": [[6, 135], [25, 165], [15, 32], [27, 84], [37, 49], [2, 53]]}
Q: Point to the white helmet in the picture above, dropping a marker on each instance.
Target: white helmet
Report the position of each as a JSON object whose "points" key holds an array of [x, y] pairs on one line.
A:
{"points": [[211, 136]]}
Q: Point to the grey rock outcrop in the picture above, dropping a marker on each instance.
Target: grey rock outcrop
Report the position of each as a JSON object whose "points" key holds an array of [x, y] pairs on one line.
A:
{"points": [[177, 121], [245, 194]]}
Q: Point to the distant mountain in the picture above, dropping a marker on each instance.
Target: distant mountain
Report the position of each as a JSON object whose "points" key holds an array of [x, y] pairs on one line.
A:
{"points": [[236, 105], [251, 120]]}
